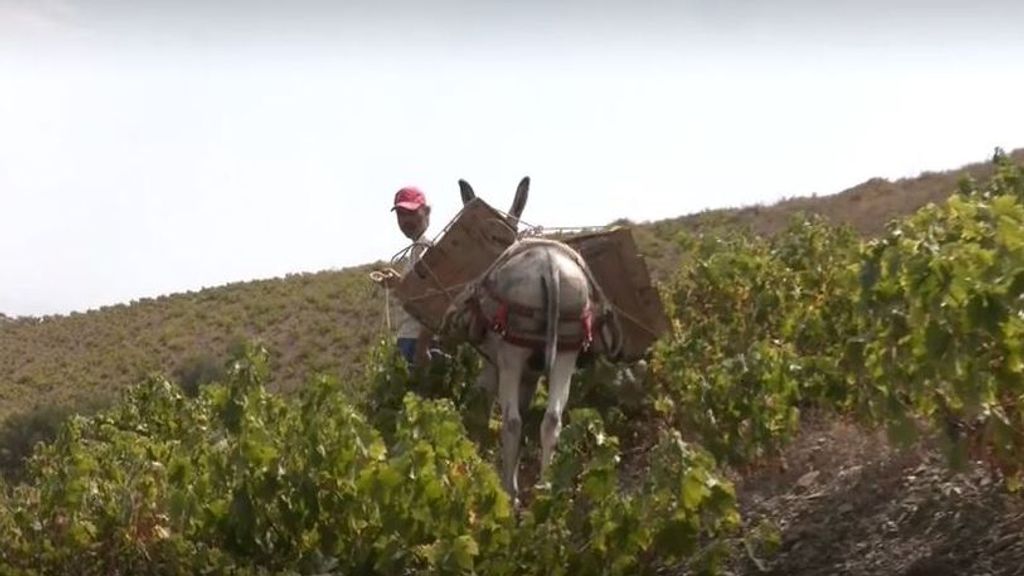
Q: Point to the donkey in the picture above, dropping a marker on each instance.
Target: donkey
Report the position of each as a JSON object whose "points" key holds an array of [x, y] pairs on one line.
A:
{"points": [[488, 379], [531, 313]]}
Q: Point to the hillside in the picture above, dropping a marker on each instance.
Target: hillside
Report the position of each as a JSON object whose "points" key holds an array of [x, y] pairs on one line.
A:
{"points": [[861, 402], [316, 321], [325, 321]]}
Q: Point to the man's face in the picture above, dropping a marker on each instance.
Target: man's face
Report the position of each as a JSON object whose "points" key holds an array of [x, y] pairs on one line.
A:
{"points": [[413, 223]]}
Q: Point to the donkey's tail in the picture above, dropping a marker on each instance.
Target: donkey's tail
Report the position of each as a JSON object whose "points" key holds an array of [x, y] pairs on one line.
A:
{"points": [[552, 285]]}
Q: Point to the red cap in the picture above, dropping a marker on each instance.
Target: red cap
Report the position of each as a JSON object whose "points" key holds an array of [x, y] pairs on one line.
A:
{"points": [[409, 198]]}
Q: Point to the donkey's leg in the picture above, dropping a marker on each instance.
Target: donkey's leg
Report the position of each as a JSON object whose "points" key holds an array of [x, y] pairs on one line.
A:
{"points": [[511, 360], [558, 395], [487, 380]]}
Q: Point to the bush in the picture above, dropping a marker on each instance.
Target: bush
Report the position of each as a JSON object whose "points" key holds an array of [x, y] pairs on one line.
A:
{"points": [[940, 303], [22, 432], [196, 371], [239, 480]]}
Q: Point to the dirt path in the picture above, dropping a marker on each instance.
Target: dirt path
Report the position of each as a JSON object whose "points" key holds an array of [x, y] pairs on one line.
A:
{"points": [[846, 502]]}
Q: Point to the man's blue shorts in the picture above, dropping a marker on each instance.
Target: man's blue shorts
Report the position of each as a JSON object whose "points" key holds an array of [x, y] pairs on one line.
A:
{"points": [[407, 347]]}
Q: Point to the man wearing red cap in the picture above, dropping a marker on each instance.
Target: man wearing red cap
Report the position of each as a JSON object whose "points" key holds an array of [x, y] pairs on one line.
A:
{"points": [[413, 213]]}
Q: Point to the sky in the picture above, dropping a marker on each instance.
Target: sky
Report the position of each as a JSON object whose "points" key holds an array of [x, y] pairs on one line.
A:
{"points": [[150, 147]]}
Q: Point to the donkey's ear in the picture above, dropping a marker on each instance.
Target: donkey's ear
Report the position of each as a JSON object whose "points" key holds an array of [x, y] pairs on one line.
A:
{"points": [[467, 191], [522, 193]]}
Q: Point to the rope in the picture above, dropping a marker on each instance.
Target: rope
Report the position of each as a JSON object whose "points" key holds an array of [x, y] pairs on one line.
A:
{"points": [[633, 319], [541, 231], [379, 277], [398, 256], [437, 282], [387, 309], [535, 230]]}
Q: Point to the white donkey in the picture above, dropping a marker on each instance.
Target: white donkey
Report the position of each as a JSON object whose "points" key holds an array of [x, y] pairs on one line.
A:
{"points": [[530, 313]]}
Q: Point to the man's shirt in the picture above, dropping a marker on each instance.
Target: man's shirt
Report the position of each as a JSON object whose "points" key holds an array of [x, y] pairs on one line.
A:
{"points": [[408, 327]]}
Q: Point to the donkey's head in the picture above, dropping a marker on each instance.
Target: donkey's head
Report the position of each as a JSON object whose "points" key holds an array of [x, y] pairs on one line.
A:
{"points": [[518, 203]]}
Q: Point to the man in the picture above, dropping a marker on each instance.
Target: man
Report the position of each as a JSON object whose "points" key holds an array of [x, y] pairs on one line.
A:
{"points": [[413, 215]]}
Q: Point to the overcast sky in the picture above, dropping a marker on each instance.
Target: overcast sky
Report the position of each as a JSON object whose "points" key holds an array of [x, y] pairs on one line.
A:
{"points": [[150, 147]]}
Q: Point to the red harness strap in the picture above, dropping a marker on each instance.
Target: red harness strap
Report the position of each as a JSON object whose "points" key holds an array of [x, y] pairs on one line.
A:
{"points": [[588, 327], [499, 323]]}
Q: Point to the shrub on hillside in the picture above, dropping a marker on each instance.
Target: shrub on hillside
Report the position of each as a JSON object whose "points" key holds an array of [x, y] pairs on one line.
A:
{"points": [[196, 371]]}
